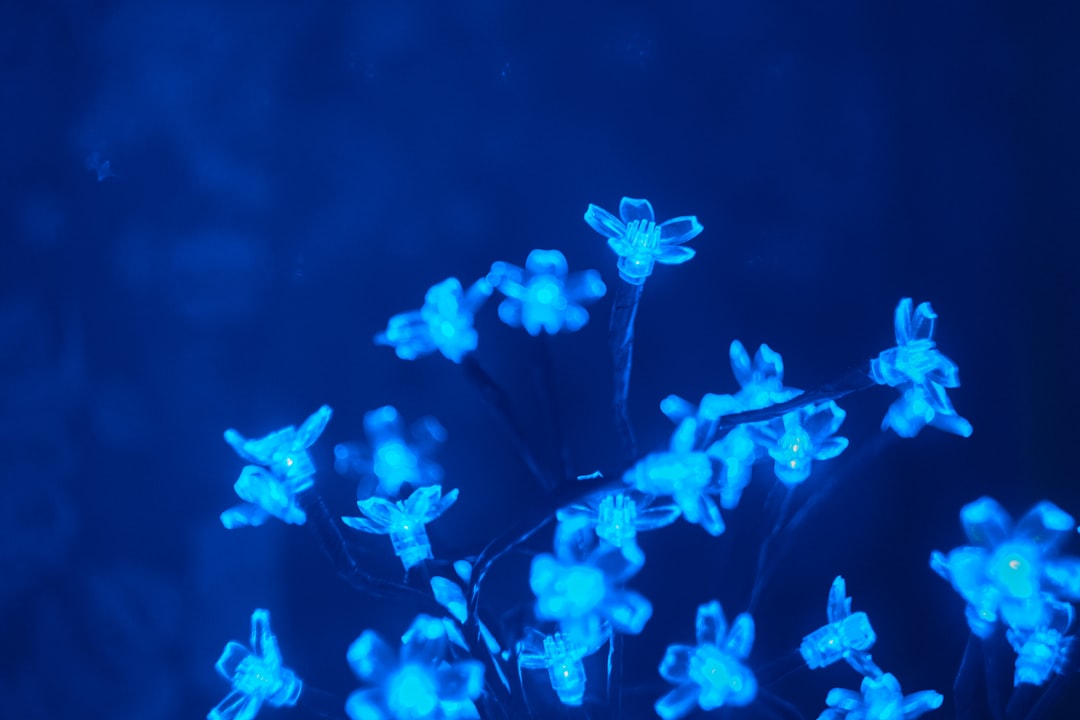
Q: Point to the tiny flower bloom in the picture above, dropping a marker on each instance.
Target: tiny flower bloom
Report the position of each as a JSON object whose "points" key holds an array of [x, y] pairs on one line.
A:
{"points": [[921, 373], [283, 469], [444, 323], [404, 521], [713, 673], [257, 675], [543, 296], [641, 242]]}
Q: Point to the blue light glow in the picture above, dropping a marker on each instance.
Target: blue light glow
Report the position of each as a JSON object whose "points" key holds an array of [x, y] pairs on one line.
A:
{"points": [[282, 470], [257, 675], [639, 241], [542, 296], [404, 521]]}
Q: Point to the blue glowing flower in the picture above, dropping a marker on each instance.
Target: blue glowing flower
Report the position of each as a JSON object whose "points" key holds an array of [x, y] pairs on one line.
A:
{"points": [[444, 323], [1045, 650], [404, 521], [257, 675], [418, 683], [543, 296], [562, 657], [799, 438], [712, 674], [388, 456], [283, 469], [582, 588], [639, 241], [848, 636], [921, 373], [619, 516], [1011, 572], [683, 473], [879, 699]]}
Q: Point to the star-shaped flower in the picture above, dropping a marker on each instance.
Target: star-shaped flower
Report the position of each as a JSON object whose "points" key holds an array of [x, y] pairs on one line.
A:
{"points": [[712, 674], [444, 323], [283, 469], [879, 699], [257, 675], [641, 242], [1011, 571], [542, 296], [921, 373], [418, 682], [404, 521], [848, 636]]}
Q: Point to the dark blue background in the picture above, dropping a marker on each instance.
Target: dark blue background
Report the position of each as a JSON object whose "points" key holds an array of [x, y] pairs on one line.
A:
{"points": [[288, 175]]}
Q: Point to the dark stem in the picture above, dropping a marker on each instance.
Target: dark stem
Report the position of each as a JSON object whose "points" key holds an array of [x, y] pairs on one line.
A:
{"points": [[621, 340]]}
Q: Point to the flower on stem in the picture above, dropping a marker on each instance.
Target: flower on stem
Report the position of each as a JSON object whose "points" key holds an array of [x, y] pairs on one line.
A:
{"points": [[1011, 571], [618, 517], [711, 674], [257, 675], [542, 296], [283, 469], [419, 682], [392, 459], [921, 373], [848, 636], [562, 657], [641, 242], [879, 699], [800, 437], [404, 521], [444, 323], [582, 588]]}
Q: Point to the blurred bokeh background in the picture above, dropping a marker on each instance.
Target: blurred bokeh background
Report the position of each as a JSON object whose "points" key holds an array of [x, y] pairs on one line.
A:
{"points": [[210, 207]]}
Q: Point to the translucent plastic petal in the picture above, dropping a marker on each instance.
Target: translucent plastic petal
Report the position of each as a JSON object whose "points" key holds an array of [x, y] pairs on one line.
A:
{"points": [[675, 666], [604, 222], [674, 255], [369, 656], [678, 230], [631, 209], [679, 702], [710, 626]]}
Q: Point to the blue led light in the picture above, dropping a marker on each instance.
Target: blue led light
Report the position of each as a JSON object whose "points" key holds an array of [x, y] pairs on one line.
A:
{"points": [[848, 636], [684, 474], [542, 296], [581, 587], [444, 323], [257, 675], [618, 517], [713, 673], [562, 657], [921, 373], [419, 682], [800, 437], [404, 521], [393, 458], [879, 699], [641, 242], [283, 469]]}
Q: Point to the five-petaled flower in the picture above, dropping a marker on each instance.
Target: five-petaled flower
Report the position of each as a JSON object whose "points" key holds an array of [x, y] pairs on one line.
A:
{"points": [[389, 457], [282, 470], [257, 675], [797, 439], [641, 242], [848, 636], [444, 323], [1011, 572], [713, 673], [879, 699], [921, 373], [418, 683], [542, 296], [404, 521]]}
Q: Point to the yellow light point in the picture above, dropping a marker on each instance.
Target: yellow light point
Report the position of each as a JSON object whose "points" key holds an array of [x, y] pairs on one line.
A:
{"points": [[289, 461], [792, 464], [1014, 564]]}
